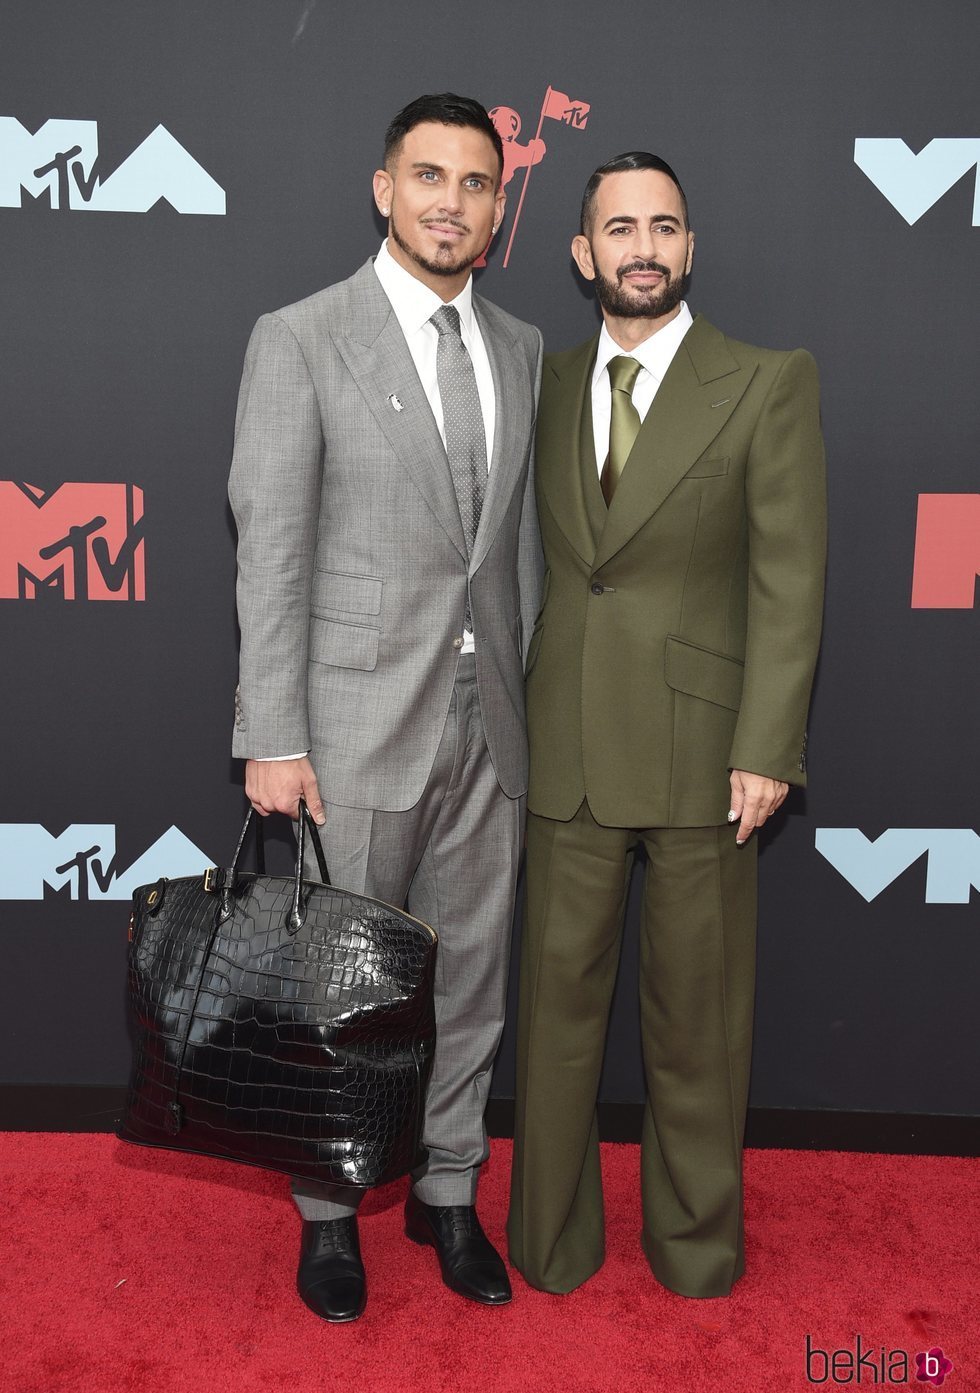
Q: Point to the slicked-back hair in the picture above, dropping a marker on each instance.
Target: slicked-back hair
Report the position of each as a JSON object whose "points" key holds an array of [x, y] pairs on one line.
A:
{"points": [[446, 109], [633, 159]]}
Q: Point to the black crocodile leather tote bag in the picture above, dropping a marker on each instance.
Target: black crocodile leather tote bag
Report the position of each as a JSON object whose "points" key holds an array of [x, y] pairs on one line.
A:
{"points": [[280, 1022]]}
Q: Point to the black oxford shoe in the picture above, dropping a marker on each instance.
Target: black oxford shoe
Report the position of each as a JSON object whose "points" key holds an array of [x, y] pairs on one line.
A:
{"points": [[330, 1278], [471, 1266]]}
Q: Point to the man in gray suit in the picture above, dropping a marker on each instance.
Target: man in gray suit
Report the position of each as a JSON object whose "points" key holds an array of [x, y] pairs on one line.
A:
{"points": [[388, 577]]}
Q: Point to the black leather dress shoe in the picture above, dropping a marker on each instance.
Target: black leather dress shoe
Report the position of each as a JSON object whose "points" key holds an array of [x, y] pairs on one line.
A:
{"points": [[330, 1278], [471, 1265]]}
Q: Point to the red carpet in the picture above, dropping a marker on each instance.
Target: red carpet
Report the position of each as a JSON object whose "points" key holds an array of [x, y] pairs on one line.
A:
{"points": [[125, 1269]]}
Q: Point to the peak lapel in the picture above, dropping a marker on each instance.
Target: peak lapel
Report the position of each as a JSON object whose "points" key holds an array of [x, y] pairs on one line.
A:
{"points": [[680, 425], [565, 389], [374, 349], [514, 409]]}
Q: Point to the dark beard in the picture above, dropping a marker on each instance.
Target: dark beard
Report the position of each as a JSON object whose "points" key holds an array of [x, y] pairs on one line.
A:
{"points": [[637, 304], [435, 268]]}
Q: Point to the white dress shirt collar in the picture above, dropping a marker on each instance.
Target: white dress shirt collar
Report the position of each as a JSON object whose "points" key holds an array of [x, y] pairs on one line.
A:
{"points": [[655, 354], [412, 300]]}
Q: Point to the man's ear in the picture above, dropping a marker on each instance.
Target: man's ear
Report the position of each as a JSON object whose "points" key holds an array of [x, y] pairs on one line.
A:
{"points": [[499, 204], [383, 186], [582, 253], [690, 253]]}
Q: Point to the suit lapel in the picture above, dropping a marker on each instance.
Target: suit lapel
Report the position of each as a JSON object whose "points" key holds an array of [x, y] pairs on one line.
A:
{"points": [[595, 504], [513, 412], [565, 403], [374, 349], [701, 389]]}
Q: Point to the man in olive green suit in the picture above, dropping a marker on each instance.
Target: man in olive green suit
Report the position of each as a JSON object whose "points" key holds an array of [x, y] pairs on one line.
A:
{"points": [[680, 485]]}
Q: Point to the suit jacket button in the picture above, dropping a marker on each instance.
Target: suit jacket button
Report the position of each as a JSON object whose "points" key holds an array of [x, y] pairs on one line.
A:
{"points": [[598, 589], [457, 643]]}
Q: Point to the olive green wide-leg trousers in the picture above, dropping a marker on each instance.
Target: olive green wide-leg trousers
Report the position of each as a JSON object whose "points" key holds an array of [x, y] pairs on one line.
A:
{"points": [[697, 977]]}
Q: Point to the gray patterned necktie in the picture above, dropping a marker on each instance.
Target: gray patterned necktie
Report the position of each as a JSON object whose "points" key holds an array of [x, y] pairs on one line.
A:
{"points": [[466, 438]]}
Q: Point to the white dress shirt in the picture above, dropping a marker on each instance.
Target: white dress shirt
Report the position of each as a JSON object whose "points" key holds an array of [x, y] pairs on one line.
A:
{"points": [[654, 355], [414, 305]]}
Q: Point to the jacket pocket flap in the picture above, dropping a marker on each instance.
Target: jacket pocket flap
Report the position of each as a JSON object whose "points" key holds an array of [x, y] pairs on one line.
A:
{"points": [[343, 645], [701, 672], [709, 468], [352, 594]]}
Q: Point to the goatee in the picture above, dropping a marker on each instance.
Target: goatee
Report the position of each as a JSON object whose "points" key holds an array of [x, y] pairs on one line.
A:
{"points": [[451, 266], [628, 303]]}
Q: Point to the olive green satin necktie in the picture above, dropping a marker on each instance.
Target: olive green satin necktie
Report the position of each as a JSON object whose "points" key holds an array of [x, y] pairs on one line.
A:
{"points": [[624, 422]]}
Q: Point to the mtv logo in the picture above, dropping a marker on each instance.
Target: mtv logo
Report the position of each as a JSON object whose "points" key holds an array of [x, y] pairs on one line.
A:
{"points": [[71, 542], [952, 865], [82, 861], [61, 160], [560, 107], [913, 183], [947, 551]]}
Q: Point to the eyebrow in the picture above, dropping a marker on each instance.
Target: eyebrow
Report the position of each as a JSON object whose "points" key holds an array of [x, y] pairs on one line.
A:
{"points": [[635, 222], [440, 169]]}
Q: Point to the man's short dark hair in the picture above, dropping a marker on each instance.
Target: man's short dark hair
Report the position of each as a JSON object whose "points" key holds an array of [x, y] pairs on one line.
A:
{"points": [[446, 109], [633, 159]]}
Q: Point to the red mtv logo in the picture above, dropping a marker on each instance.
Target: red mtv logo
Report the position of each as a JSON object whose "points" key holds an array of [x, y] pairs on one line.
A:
{"points": [[947, 551], [72, 542]]}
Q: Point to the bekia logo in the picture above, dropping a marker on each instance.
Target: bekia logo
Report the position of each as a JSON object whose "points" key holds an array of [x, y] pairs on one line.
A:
{"points": [[81, 863], [876, 1367], [872, 864], [60, 163], [912, 182], [71, 542]]}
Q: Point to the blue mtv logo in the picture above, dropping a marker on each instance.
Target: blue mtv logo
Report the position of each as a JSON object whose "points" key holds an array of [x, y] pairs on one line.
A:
{"points": [[871, 865], [911, 182], [82, 862], [61, 160]]}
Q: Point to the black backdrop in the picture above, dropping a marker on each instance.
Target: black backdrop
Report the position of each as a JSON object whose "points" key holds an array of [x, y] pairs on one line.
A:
{"points": [[123, 335]]}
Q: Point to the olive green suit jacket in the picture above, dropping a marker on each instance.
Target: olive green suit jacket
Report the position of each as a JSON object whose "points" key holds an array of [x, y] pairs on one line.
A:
{"points": [[679, 630]]}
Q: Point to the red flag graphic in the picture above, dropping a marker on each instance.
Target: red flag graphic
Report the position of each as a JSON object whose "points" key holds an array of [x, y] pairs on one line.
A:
{"points": [[559, 107]]}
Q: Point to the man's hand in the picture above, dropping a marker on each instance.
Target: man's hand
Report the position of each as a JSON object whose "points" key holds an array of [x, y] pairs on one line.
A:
{"points": [[754, 798], [277, 785]]}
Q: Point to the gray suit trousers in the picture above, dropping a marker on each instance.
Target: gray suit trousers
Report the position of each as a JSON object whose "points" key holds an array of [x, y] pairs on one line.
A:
{"points": [[452, 861]]}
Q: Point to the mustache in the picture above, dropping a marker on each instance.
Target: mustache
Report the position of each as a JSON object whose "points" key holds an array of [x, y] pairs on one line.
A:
{"points": [[643, 266], [445, 222]]}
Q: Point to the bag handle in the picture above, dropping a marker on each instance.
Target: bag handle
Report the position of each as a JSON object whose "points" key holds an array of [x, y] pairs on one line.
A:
{"points": [[225, 880], [304, 818], [297, 914]]}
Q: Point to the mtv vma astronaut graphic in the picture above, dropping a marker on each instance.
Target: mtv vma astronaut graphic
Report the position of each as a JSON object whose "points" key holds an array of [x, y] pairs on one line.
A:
{"points": [[524, 155]]}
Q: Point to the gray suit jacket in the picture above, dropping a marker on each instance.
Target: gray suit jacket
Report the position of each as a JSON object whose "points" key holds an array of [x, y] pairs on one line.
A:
{"points": [[352, 570]]}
